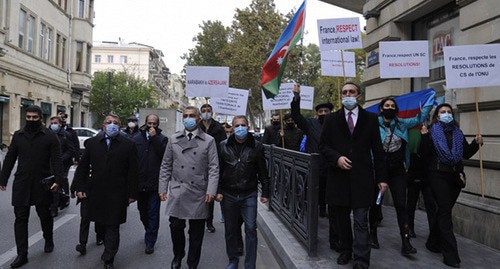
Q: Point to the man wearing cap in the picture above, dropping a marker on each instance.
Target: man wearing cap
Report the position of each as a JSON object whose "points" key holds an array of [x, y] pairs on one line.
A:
{"points": [[132, 129], [312, 129]]}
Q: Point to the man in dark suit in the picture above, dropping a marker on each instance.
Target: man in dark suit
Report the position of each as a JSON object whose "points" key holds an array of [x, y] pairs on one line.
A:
{"points": [[151, 144], [38, 153], [350, 142], [107, 177]]}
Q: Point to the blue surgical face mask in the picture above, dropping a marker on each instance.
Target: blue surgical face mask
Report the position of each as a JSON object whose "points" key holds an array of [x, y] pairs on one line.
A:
{"points": [[189, 123], [112, 129], [241, 132], [446, 117], [349, 102], [55, 127], [206, 115]]}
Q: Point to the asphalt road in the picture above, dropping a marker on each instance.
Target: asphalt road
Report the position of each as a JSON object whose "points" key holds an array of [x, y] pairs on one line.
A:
{"points": [[131, 253]]}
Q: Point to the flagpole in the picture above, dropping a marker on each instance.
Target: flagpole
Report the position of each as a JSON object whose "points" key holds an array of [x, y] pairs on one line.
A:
{"points": [[282, 130], [480, 147]]}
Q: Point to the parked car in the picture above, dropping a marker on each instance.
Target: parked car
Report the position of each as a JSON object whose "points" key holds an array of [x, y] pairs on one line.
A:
{"points": [[83, 134]]}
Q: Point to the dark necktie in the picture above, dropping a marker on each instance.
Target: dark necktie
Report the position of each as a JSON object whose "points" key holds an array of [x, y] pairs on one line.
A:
{"points": [[190, 135], [350, 121]]}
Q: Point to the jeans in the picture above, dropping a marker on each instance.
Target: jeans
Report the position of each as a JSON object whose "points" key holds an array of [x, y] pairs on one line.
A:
{"points": [[148, 204], [233, 207]]}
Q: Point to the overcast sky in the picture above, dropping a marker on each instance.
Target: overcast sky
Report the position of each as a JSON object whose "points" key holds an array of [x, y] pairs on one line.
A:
{"points": [[170, 25]]}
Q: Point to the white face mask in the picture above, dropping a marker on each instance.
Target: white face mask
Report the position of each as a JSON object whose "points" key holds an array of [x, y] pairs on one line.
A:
{"points": [[131, 124], [206, 115]]}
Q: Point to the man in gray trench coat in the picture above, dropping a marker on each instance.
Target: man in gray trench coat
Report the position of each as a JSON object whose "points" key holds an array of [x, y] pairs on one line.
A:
{"points": [[189, 175]]}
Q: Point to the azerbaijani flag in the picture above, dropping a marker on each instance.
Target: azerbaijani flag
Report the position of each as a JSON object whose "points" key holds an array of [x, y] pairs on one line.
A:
{"points": [[411, 103], [275, 64]]}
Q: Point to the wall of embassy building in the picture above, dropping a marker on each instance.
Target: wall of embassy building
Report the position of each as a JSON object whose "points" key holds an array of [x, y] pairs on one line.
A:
{"points": [[447, 23]]}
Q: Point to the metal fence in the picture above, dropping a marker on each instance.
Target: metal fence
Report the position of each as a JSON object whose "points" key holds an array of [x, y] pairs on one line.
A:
{"points": [[294, 192]]}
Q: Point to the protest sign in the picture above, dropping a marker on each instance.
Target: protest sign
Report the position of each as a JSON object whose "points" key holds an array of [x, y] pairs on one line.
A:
{"points": [[404, 59], [472, 66], [331, 64], [207, 81], [235, 103], [339, 34], [285, 96]]}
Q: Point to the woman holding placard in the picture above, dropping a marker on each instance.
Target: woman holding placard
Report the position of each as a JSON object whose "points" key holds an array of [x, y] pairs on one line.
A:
{"points": [[442, 148]]}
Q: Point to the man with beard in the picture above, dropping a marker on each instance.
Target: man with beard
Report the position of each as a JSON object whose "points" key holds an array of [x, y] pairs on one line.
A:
{"points": [[151, 144], [38, 153], [290, 136], [312, 129]]}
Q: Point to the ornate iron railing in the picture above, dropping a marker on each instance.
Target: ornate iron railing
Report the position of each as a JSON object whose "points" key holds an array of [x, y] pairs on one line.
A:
{"points": [[294, 192]]}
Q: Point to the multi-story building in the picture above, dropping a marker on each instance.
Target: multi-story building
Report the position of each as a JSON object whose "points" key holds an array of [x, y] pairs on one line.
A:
{"points": [[445, 23], [143, 61], [44, 60]]}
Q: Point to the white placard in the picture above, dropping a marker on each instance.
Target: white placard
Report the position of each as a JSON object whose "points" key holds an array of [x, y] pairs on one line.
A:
{"points": [[207, 81], [339, 34], [285, 96], [472, 66], [331, 64], [404, 59], [235, 103]]}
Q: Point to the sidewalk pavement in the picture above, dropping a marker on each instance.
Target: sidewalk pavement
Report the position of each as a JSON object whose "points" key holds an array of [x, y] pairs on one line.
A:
{"points": [[290, 253]]}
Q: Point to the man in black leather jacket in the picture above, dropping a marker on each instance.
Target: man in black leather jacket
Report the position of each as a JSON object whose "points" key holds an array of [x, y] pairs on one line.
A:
{"points": [[242, 167]]}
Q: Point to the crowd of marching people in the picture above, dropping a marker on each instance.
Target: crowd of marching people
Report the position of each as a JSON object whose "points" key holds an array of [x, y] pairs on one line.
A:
{"points": [[362, 154]]}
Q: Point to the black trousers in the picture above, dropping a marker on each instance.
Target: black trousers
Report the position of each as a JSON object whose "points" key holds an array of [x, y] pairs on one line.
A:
{"points": [[22, 214], [445, 192], [415, 187], [210, 218], [398, 181], [322, 191], [196, 232], [359, 244], [85, 224], [111, 242]]}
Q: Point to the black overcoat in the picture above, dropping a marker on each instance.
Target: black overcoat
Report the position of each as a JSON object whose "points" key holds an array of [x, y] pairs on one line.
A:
{"points": [[108, 177], [38, 156], [353, 187]]}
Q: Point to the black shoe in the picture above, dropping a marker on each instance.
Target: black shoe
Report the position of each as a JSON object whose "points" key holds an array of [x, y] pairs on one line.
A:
{"points": [[407, 248], [108, 265], [19, 261], [344, 258], [210, 228], [99, 242], [49, 246], [452, 264], [176, 262], [82, 248], [149, 250]]}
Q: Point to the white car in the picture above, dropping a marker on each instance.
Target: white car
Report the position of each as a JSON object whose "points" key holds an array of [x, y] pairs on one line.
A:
{"points": [[84, 133]]}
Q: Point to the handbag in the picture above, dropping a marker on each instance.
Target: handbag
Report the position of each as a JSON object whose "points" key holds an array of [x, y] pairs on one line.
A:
{"points": [[47, 182]]}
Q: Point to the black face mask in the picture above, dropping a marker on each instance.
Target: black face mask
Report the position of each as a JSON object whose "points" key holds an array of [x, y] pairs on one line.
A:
{"points": [[32, 126], [275, 123], [389, 113], [321, 118]]}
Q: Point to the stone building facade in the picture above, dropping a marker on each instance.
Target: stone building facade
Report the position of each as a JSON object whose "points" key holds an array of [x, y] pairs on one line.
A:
{"points": [[445, 23], [44, 60]]}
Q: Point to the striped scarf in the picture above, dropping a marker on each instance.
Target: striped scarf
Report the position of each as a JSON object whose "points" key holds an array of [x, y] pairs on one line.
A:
{"points": [[438, 134]]}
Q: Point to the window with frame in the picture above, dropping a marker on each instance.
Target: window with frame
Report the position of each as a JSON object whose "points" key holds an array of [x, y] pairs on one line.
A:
{"points": [[81, 8], [22, 28], [97, 58], [58, 50], [79, 56], [3, 16], [31, 33], [89, 58], [110, 59], [91, 10], [41, 40], [48, 55], [123, 59]]}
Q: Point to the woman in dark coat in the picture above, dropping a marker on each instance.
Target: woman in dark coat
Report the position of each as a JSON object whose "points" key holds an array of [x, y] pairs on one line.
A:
{"points": [[443, 147]]}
